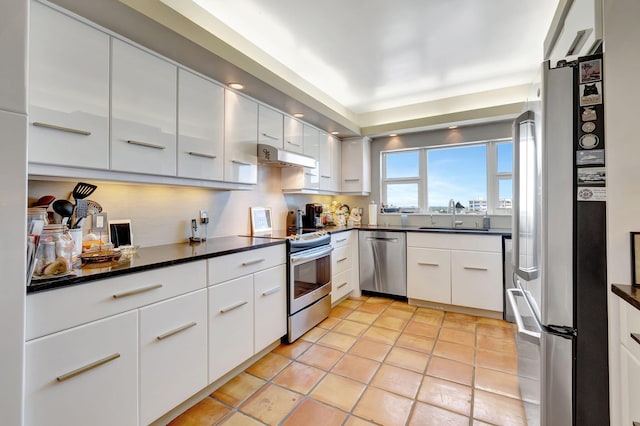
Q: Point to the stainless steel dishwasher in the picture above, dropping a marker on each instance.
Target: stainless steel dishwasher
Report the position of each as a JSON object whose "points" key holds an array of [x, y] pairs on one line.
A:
{"points": [[383, 262]]}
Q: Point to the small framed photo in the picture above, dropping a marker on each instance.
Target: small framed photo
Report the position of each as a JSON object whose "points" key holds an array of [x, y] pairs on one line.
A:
{"points": [[260, 220], [120, 233], [635, 259], [590, 71]]}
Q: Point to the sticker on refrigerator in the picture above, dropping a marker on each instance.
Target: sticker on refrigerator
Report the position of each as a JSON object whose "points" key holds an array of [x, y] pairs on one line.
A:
{"points": [[588, 127], [592, 176], [589, 114], [587, 158], [588, 141], [590, 71], [592, 194], [591, 94]]}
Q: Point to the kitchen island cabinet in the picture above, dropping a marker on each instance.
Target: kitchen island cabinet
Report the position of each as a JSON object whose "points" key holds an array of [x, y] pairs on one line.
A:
{"points": [[200, 127], [68, 91], [143, 111], [240, 139]]}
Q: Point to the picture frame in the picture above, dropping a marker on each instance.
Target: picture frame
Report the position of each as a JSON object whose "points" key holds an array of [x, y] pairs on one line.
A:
{"points": [[120, 233], [635, 259], [260, 220]]}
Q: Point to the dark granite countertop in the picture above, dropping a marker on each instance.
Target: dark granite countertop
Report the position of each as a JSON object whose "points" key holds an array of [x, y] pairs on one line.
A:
{"points": [[155, 257], [397, 228], [628, 293]]}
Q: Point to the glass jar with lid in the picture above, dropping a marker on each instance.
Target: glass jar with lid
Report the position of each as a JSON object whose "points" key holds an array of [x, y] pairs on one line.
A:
{"points": [[36, 213], [54, 254]]}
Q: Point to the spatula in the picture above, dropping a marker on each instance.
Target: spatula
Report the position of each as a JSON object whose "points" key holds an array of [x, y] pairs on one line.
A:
{"points": [[83, 190]]}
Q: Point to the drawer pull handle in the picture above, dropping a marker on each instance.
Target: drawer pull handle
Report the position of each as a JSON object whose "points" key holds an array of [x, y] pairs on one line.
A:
{"points": [[62, 129], [476, 268], [428, 264], [636, 337], [325, 176], [275, 138], [352, 180], [177, 330], [201, 154], [136, 291], [341, 240], [271, 291], [310, 174], [146, 144], [87, 367], [342, 285], [232, 307], [292, 143], [252, 262], [242, 163], [342, 260]]}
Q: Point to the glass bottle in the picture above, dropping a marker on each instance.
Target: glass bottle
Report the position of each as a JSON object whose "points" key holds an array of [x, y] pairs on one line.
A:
{"points": [[54, 254]]}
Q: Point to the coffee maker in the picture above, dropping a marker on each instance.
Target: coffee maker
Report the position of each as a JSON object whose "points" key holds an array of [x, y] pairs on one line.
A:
{"points": [[313, 216]]}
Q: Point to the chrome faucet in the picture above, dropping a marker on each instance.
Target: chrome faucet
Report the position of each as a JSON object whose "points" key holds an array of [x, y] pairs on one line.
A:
{"points": [[452, 210]]}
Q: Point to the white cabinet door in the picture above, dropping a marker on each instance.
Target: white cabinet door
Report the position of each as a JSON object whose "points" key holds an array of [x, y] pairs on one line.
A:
{"points": [[230, 325], [240, 139], [87, 375], [341, 259], [200, 127], [630, 375], [341, 285], [270, 306], [292, 134], [336, 164], [68, 91], [356, 165], [476, 280], [143, 111], [311, 147], [324, 160], [429, 274], [173, 353], [270, 127]]}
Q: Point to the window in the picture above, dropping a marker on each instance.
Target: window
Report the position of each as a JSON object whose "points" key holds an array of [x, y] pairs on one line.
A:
{"points": [[478, 176]]}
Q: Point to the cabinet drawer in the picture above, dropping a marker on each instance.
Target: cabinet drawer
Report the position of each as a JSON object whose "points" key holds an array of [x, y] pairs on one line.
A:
{"points": [[235, 265], [429, 274], [488, 243], [341, 285], [341, 259], [51, 311], [342, 239], [85, 375], [270, 296], [630, 324], [476, 280], [173, 353]]}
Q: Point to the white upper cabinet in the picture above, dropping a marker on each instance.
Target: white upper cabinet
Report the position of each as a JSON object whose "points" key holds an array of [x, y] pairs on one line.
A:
{"points": [[311, 147], [68, 91], [324, 160], [356, 172], [143, 111], [293, 134], [241, 139], [270, 127], [200, 127], [336, 164]]}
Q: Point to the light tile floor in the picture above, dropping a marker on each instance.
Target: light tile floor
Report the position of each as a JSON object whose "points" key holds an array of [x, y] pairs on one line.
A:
{"points": [[377, 361]]}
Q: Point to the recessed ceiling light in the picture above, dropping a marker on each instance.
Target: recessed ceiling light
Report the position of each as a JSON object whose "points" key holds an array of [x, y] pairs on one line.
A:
{"points": [[237, 86], [393, 135], [452, 127], [335, 133], [298, 115]]}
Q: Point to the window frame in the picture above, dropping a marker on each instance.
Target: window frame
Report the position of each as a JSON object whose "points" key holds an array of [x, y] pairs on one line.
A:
{"points": [[493, 176]]}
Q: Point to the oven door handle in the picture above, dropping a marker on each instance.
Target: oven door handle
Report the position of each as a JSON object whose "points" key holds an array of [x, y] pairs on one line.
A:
{"points": [[310, 255]]}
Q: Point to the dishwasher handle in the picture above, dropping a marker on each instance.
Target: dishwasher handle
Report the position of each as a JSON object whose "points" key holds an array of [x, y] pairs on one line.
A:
{"points": [[385, 239]]}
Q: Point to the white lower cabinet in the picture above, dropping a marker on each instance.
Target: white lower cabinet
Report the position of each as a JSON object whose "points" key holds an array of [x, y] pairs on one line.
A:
{"points": [[429, 274], [476, 280], [85, 375], [629, 362], [270, 296], [230, 325], [343, 259], [173, 353]]}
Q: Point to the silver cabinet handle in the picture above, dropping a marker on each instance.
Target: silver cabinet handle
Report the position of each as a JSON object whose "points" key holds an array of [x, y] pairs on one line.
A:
{"points": [[271, 291], [310, 174], [232, 307], [342, 285], [252, 262], [351, 180], [145, 144], [476, 268], [177, 330], [428, 264], [136, 291], [275, 138], [341, 260], [325, 176], [62, 129], [292, 143], [200, 154], [242, 163], [341, 240], [87, 367], [636, 337]]}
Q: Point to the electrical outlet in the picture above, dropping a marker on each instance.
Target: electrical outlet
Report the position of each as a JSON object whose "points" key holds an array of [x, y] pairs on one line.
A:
{"points": [[204, 216]]}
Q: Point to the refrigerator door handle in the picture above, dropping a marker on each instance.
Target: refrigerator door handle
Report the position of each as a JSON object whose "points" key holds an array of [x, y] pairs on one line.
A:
{"points": [[533, 336]]}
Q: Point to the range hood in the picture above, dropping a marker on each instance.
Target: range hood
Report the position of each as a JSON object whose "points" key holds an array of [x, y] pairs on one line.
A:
{"points": [[272, 156]]}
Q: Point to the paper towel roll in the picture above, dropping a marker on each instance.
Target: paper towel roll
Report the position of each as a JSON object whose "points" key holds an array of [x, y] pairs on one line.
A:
{"points": [[373, 214]]}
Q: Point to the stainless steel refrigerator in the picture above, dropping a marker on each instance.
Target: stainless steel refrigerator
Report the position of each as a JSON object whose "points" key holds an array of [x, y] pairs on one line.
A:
{"points": [[559, 296]]}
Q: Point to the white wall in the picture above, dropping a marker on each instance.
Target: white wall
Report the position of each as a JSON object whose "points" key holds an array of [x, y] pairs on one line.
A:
{"points": [[13, 172], [621, 94]]}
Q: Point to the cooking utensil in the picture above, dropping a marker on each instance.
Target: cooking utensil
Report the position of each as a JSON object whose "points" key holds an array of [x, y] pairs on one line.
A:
{"points": [[82, 209], [83, 190], [64, 208], [44, 201]]}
